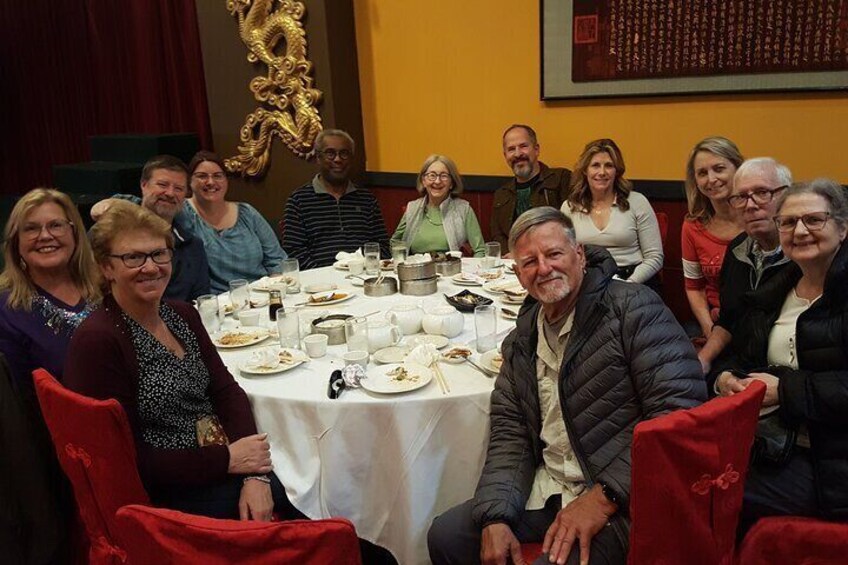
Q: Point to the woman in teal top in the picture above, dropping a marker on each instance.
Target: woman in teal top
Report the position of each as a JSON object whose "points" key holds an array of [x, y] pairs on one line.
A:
{"points": [[439, 221]]}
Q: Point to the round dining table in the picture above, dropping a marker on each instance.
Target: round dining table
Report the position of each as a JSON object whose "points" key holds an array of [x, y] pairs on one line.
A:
{"points": [[389, 463]]}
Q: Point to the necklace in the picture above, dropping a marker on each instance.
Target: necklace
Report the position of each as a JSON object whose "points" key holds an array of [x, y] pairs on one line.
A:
{"points": [[431, 220]]}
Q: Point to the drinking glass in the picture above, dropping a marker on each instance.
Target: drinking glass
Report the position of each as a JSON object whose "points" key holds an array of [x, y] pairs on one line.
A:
{"points": [[356, 334], [486, 327], [207, 306], [288, 327], [399, 253], [493, 255], [291, 274], [239, 295], [372, 258]]}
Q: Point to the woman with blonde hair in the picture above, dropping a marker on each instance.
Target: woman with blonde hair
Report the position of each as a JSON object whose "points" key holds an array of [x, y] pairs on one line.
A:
{"points": [[606, 212], [439, 220], [710, 225], [49, 285]]}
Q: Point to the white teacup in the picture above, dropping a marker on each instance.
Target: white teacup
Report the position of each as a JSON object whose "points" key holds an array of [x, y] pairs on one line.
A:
{"points": [[356, 266], [407, 317], [356, 358], [382, 334], [316, 345], [250, 317]]}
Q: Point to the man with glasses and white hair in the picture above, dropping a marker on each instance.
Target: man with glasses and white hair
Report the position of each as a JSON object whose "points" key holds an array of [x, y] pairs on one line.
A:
{"points": [[754, 256], [330, 214], [590, 357]]}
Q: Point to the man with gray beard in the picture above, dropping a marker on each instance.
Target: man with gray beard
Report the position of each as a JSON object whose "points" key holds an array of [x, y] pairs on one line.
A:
{"points": [[558, 471]]}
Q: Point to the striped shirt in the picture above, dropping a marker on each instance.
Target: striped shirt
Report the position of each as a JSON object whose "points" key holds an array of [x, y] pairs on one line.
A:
{"points": [[318, 225]]}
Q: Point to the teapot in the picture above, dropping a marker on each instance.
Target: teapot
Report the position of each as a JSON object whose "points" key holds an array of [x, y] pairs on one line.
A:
{"points": [[443, 320], [407, 317]]}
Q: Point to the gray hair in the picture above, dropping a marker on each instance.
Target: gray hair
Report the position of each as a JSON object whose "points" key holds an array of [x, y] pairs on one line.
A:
{"points": [[764, 166], [318, 146], [535, 217], [456, 179], [830, 190]]}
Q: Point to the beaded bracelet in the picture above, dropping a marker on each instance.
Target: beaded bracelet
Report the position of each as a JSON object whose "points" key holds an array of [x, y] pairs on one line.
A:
{"points": [[264, 478]]}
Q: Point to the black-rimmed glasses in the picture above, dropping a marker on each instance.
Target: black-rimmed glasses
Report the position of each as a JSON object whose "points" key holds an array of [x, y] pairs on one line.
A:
{"points": [[136, 259], [760, 197], [814, 221], [331, 154]]}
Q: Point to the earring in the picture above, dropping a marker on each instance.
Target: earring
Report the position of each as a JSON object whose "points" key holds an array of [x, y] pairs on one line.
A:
{"points": [[23, 264]]}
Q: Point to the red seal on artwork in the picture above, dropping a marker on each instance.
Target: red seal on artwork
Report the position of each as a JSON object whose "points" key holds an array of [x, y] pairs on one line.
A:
{"points": [[586, 29]]}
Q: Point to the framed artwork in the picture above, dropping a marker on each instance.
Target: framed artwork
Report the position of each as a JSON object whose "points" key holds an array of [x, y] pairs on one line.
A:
{"points": [[616, 48]]}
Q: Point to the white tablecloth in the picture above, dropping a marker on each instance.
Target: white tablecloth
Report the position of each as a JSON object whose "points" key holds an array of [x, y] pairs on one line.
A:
{"points": [[390, 464]]}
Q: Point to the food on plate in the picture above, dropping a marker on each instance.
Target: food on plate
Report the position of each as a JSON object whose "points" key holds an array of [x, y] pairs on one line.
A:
{"points": [[497, 361], [386, 264], [287, 357], [457, 353], [470, 299], [237, 338], [327, 297], [491, 275], [400, 374]]}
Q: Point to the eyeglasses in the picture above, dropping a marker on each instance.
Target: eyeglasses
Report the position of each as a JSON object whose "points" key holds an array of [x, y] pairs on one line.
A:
{"points": [[56, 228], [432, 177], [760, 196], [136, 259], [203, 177], [331, 154], [813, 222]]}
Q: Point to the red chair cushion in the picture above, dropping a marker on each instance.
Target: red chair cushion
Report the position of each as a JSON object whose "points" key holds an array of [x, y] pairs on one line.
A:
{"points": [[796, 541], [688, 475], [97, 452], [157, 535], [531, 551]]}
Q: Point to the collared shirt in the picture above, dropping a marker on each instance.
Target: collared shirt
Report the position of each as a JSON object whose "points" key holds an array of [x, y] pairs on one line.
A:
{"points": [[762, 259], [318, 225], [561, 472]]}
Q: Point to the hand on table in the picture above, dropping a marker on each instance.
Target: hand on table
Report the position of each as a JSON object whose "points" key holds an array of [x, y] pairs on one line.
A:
{"points": [[498, 545], [256, 501], [581, 519], [251, 455], [772, 397]]}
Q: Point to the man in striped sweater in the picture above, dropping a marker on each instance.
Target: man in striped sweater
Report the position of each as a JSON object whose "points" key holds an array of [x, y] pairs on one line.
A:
{"points": [[330, 214]]}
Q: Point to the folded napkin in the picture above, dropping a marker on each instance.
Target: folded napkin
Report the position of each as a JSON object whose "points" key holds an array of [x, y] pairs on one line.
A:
{"points": [[268, 358], [424, 354], [418, 258], [344, 257]]}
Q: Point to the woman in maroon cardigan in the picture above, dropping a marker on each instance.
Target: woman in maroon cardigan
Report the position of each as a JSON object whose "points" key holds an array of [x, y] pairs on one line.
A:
{"points": [[198, 450]]}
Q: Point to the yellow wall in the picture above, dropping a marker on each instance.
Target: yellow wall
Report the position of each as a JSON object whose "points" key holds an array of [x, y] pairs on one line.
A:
{"points": [[447, 76]]}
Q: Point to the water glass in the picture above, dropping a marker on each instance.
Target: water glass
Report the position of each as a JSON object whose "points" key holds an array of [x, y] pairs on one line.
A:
{"points": [[493, 255], [399, 252], [207, 306], [288, 327], [291, 274], [356, 334], [372, 258], [486, 327], [239, 295]]}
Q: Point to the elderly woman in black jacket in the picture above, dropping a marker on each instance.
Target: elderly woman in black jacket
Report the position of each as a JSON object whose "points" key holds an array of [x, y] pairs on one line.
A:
{"points": [[797, 326]]}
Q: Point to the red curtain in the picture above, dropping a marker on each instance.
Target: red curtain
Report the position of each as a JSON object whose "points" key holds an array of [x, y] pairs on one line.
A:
{"points": [[70, 69]]}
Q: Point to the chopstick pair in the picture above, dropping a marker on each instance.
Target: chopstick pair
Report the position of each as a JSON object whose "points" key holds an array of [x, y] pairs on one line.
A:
{"points": [[443, 383]]}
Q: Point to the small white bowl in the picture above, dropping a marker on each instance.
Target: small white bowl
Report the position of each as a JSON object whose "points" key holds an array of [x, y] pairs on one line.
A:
{"points": [[356, 358]]}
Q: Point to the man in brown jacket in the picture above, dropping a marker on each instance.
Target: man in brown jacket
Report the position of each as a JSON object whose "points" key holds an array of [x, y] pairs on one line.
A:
{"points": [[535, 184]]}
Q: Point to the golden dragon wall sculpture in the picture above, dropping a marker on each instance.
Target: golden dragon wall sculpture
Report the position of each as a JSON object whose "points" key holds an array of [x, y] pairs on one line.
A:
{"points": [[287, 100]]}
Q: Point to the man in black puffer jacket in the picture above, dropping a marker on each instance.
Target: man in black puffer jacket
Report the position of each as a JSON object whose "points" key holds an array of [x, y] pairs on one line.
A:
{"points": [[590, 358]]}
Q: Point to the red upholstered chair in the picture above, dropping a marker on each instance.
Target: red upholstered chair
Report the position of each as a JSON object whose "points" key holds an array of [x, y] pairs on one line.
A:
{"points": [[97, 452], [531, 551], [662, 220], [157, 535], [688, 475], [790, 540]]}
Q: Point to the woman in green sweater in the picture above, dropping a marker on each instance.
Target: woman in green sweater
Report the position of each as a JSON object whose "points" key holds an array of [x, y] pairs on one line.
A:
{"points": [[439, 221]]}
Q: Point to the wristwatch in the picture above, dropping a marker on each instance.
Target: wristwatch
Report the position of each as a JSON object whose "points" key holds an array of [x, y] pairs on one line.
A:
{"points": [[610, 493]]}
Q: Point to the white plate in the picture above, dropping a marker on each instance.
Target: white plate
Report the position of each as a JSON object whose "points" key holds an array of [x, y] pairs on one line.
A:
{"points": [[458, 360], [498, 286], [438, 341], [356, 281], [319, 287], [392, 354], [490, 275], [254, 338], [298, 358], [274, 282], [348, 296], [507, 299], [387, 265], [379, 381], [341, 266], [465, 279], [486, 361]]}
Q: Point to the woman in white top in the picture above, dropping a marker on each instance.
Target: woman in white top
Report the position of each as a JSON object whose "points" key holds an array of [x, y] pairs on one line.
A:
{"points": [[606, 212]]}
